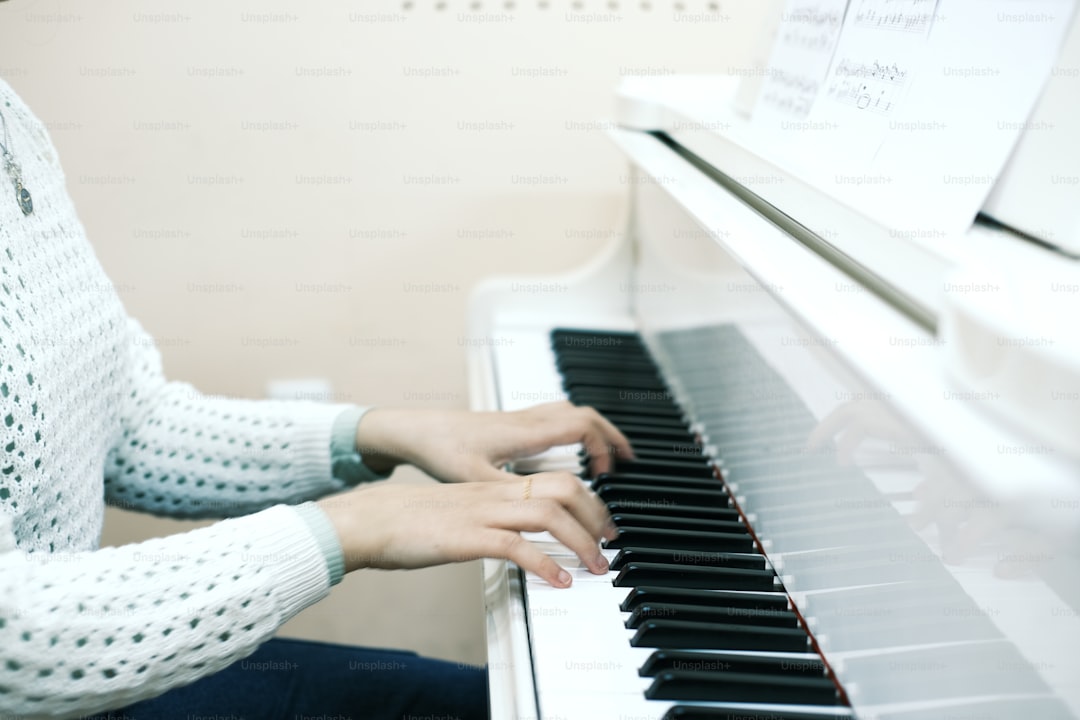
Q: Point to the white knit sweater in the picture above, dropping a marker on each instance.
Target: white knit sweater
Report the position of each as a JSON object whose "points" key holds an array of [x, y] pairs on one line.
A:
{"points": [[86, 418]]}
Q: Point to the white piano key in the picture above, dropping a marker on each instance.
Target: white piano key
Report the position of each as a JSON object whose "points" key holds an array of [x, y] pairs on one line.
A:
{"points": [[525, 369], [584, 664], [561, 457]]}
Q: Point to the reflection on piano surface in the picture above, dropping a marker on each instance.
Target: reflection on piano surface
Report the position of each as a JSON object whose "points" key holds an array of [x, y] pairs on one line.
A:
{"points": [[817, 524]]}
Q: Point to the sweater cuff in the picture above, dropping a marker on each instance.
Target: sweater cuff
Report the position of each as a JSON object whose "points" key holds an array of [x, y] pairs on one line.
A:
{"points": [[326, 537], [300, 578], [345, 461]]}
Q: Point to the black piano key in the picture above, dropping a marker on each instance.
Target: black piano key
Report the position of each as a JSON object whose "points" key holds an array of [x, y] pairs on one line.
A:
{"points": [[606, 360], [742, 687], [613, 358], [680, 468], [661, 508], [704, 712], [681, 540], [636, 574], [673, 523], [643, 452], [661, 660], [629, 418], [642, 427], [611, 492], [628, 337], [616, 374], [696, 613], [579, 387], [627, 344], [628, 399], [681, 635], [616, 360], [690, 449], [600, 342], [682, 557], [644, 412], [647, 432], [775, 601], [608, 404], [569, 363], [702, 483], [616, 353]]}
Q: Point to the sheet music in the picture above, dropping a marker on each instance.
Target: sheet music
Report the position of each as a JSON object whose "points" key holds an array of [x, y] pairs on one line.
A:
{"points": [[920, 108], [873, 68], [800, 58], [908, 16], [873, 86]]}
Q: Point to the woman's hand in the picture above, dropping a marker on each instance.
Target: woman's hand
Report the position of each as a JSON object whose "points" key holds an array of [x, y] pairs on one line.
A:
{"points": [[460, 446], [412, 526]]}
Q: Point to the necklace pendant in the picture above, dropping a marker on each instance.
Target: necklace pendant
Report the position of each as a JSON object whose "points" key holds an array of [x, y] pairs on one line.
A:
{"points": [[22, 195]]}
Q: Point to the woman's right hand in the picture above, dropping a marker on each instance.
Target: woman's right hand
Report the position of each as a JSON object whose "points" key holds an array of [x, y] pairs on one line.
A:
{"points": [[395, 526]]}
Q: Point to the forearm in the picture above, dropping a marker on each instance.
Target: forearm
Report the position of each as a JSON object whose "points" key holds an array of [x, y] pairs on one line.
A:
{"points": [[185, 454], [383, 437]]}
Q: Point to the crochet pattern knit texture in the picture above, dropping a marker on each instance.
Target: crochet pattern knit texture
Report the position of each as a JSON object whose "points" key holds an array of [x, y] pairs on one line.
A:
{"points": [[87, 417]]}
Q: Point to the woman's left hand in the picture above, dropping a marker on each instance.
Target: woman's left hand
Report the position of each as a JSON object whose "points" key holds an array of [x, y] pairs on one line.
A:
{"points": [[462, 446]]}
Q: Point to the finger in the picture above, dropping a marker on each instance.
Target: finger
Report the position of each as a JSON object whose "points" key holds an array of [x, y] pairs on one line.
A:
{"points": [[603, 442], [572, 424], [510, 545], [581, 502], [613, 437], [602, 454], [483, 472], [831, 424], [539, 515]]}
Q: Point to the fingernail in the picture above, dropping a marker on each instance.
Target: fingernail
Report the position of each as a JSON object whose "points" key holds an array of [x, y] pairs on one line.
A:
{"points": [[564, 577], [601, 562], [610, 530]]}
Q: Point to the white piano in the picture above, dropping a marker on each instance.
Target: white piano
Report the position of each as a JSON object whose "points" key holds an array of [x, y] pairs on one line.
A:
{"points": [[857, 491]]}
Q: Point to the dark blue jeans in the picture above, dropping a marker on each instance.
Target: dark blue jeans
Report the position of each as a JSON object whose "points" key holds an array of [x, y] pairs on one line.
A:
{"points": [[302, 680]]}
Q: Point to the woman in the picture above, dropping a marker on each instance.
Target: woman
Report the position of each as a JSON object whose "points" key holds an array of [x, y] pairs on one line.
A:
{"points": [[88, 419]]}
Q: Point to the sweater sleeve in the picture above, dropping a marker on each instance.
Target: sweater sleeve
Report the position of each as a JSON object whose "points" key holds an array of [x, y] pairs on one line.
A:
{"points": [[185, 454], [89, 631], [346, 460]]}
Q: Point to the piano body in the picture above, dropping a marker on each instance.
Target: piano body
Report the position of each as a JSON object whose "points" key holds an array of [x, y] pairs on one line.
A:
{"points": [[849, 499]]}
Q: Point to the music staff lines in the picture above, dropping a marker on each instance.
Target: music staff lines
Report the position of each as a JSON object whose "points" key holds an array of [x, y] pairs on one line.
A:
{"points": [[809, 41], [916, 23], [875, 87], [876, 71], [906, 16]]}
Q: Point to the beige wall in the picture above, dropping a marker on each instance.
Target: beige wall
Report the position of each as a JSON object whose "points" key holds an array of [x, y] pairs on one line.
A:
{"points": [[284, 189]]}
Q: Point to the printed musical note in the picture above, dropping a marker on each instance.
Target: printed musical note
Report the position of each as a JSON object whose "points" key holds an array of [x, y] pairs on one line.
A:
{"points": [[891, 104], [880, 42], [800, 58], [873, 86], [910, 16]]}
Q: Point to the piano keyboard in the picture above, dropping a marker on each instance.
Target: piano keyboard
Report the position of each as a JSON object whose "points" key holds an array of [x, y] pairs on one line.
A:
{"points": [[691, 622]]}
